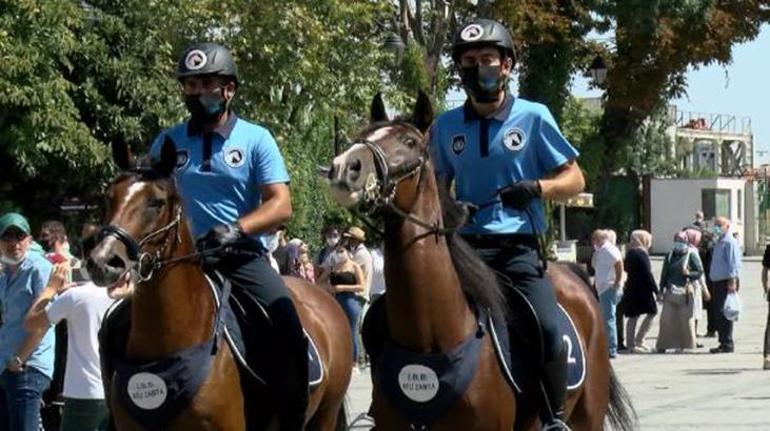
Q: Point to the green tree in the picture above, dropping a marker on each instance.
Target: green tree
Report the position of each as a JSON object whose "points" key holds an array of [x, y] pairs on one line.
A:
{"points": [[656, 43]]}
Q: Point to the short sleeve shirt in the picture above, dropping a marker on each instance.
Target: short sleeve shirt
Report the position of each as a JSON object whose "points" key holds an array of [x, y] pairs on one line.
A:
{"points": [[766, 257], [17, 293], [83, 307], [521, 141], [223, 184]]}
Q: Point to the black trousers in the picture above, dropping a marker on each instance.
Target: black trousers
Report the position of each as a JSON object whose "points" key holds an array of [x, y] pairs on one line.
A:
{"points": [[767, 331], [724, 327], [518, 261], [255, 277]]}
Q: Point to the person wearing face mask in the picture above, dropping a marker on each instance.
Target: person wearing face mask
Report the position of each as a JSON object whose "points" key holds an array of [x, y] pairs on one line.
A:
{"points": [[331, 237], [346, 281], [26, 357], [725, 267], [235, 190], [681, 268], [505, 155]]}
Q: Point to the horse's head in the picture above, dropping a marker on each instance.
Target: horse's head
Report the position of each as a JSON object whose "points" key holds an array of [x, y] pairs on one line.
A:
{"points": [[143, 219], [385, 161]]}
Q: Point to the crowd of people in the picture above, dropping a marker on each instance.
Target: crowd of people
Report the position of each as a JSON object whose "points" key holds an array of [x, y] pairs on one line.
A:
{"points": [[51, 314], [699, 274]]}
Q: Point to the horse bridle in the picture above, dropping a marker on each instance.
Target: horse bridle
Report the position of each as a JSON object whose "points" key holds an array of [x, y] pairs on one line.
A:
{"points": [[146, 263], [380, 190]]}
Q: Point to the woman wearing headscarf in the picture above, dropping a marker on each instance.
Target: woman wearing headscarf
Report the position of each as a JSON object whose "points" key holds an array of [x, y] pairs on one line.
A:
{"points": [[640, 291], [700, 290], [300, 264], [680, 268]]}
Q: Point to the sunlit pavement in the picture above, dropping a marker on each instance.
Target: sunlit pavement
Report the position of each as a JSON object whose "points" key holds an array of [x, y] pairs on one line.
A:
{"points": [[687, 391]]}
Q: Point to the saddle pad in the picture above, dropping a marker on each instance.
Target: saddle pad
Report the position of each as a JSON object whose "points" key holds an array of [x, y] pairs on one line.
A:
{"points": [[239, 309], [514, 367]]}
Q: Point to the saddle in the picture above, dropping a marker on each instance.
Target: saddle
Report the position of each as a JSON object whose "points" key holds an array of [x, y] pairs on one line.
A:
{"points": [[156, 392], [424, 386]]}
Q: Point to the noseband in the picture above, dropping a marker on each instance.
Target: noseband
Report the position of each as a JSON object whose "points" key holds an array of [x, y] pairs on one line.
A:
{"points": [[146, 262], [380, 190]]}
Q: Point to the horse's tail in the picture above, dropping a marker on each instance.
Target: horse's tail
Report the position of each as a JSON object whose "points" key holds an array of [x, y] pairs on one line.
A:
{"points": [[342, 418], [621, 414]]}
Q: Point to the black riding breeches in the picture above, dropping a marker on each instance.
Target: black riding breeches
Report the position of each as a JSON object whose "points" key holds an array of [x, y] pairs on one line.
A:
{"points": [[287, 343], [519, 264]]}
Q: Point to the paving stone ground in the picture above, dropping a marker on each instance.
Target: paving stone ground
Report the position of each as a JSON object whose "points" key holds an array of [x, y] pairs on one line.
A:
{"points": [[687, 391]]}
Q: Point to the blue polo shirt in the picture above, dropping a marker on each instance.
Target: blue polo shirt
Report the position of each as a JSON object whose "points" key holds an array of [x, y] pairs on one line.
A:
{"points": [[17, 293], [223, 182], [726, 261], [520, 141]]}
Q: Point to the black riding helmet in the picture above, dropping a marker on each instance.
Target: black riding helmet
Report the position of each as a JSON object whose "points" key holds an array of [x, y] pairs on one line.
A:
{"points": [[482, 32], [206, 59]]}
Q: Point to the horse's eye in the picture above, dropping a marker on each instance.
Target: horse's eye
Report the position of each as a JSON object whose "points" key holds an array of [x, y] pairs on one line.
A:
{"points": [[410, 142], [156, 203]]}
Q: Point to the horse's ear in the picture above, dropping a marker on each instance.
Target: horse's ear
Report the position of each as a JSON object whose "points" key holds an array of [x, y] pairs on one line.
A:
{"points": [[121, 153], [167, 161], [378, 112], [423, 112]]}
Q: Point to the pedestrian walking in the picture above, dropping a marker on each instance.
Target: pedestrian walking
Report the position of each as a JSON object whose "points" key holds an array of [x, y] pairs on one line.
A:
{"points": [[725, 267], [766, 290], [608, 272], [681, 267], [640, 292]]}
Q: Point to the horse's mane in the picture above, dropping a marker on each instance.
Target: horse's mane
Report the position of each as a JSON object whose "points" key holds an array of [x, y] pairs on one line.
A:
{"points": [[478, 281]]}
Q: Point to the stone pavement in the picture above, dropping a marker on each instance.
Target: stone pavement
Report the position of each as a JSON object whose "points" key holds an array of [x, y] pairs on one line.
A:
{"points": [[687, 391]]}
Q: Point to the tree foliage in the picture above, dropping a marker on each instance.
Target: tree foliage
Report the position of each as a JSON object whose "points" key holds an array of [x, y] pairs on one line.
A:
{"points": [[80, 75]]}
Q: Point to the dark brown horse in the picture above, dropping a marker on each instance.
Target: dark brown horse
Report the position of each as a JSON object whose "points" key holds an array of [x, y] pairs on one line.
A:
{"points": [[173, 307], [430, 274]]}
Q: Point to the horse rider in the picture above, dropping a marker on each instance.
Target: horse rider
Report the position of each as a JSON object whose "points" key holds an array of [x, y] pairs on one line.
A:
{"points": [[505, 154], [235, 188]]}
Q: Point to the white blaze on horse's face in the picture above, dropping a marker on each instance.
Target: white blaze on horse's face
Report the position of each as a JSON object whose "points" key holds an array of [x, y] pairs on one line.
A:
{"points": [[354, 170]]}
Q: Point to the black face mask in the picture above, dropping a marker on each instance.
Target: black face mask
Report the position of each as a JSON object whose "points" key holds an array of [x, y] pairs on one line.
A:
{"points": [[483, 83], [205, 108]]}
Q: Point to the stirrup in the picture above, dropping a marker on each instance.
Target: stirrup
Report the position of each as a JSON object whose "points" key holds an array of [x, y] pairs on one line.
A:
{"points": [[556, 425]]}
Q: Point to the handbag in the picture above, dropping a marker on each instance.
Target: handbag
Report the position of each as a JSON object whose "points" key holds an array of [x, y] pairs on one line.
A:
{"points": [[681, 295], [705, 290]]}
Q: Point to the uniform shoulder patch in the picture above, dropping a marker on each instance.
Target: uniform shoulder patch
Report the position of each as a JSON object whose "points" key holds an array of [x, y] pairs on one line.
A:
{"points": [[234, 158], [458, 144], [514, 139]]}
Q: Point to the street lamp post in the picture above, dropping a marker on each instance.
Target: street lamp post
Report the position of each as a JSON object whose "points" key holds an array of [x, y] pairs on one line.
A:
{"points": [[598, 70], [396, 45]]}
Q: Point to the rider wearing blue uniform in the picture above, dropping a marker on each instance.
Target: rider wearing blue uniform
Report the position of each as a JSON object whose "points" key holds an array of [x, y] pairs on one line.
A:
{"points": [[234, 188], [506, 154]]}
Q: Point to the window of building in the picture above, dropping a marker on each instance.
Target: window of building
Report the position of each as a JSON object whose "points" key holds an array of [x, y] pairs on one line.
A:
{"points": [[715, 203]]}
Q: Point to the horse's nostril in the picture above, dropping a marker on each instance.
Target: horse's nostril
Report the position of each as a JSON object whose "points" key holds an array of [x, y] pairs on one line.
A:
{"points": [[115, 262], [355, 165]]}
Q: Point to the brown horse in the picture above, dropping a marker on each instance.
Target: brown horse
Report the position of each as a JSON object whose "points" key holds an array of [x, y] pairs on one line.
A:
{"points": [[173, 307], [430, 274]]}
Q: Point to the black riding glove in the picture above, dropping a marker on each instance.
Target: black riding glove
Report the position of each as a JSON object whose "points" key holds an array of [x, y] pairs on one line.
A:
{"points": [[221, 236], [518, 195]]}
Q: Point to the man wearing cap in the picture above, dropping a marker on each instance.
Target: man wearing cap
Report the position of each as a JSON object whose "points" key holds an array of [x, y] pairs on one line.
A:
{"points": [[27, 357], [235, 189], [505, 155]]}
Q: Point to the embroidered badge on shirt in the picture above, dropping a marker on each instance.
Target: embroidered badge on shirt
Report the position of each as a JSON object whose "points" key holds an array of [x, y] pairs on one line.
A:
{"points": [[514, 139], [458, 144], [234, 158], [195, 59], [472, 33], [182, 157]]}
